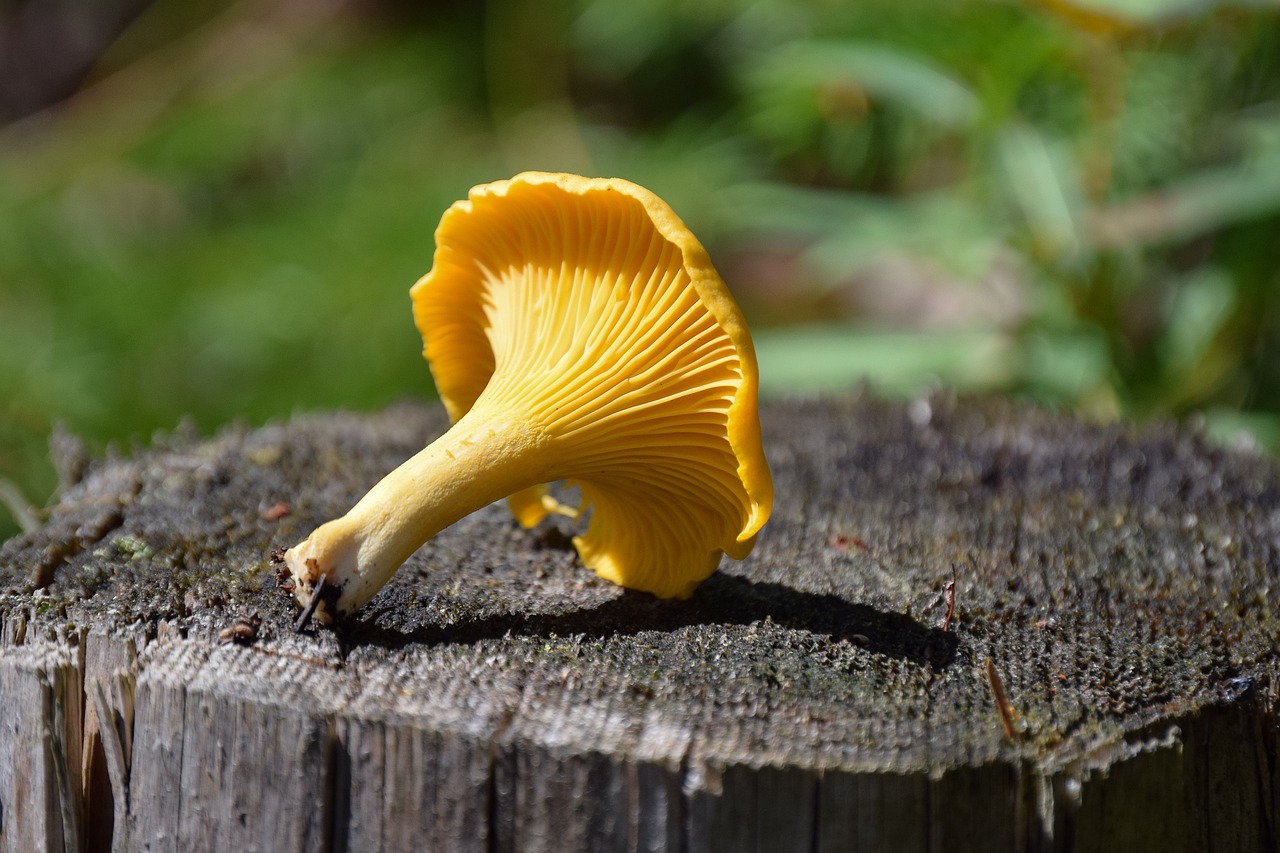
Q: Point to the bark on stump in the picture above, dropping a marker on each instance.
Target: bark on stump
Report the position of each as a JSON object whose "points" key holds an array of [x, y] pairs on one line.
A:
{"points": [[1118, 585]]}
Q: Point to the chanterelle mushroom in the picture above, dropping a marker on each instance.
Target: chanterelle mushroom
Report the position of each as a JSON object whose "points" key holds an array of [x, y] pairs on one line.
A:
{"points": [[576, 331]]}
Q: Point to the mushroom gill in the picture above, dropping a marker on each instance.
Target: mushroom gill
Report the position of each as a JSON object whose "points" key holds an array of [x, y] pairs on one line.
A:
{"points": [[576, 331]]}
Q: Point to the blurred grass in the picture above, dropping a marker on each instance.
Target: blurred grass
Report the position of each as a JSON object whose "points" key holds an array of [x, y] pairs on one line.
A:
{"points": [[1074, 201]]}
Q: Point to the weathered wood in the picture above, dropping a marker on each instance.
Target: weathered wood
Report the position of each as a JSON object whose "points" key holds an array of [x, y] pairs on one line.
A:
{"points": [[1121, 581], [108, 732], [40, 797]]}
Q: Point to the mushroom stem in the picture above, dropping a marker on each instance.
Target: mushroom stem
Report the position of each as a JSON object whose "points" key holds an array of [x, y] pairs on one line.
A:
{"points": [[483, 458]]}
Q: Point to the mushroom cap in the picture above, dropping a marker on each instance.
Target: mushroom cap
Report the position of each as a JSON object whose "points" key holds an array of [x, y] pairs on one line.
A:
{"points": [[587, 310]]}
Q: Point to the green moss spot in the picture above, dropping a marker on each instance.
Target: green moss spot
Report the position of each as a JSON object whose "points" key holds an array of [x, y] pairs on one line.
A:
{"points": [[132, 547]]}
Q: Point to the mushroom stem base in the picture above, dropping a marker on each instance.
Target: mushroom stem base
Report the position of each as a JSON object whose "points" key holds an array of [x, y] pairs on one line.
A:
{"points": [[483, 458]]}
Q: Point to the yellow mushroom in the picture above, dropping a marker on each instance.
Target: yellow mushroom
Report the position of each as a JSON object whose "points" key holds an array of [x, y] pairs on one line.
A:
{"points": [[577, 332]]}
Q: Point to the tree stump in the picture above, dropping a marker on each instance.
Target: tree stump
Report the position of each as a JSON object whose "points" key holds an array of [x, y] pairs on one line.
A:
{"points": [[1105, 682]]}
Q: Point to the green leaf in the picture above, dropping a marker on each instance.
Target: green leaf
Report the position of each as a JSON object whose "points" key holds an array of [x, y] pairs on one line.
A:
{"points": [[836, 358], [884, 73]]}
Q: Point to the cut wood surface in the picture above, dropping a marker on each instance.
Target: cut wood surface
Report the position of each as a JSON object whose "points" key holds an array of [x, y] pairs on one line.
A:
{"points": [[1107, 680]]}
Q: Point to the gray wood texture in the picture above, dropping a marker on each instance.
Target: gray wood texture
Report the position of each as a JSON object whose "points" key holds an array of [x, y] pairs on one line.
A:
{"points": [[1121, 583]]}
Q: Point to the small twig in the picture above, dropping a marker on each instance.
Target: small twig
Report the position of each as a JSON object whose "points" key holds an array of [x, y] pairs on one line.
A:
{"points": [[244, 630], [12, 499], [842, 542], [276, 511], [307, 612], [949, 588], [1008, 716]]}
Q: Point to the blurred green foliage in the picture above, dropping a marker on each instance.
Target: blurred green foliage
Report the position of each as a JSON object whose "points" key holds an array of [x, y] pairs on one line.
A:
{"points": [[1076, 201]]}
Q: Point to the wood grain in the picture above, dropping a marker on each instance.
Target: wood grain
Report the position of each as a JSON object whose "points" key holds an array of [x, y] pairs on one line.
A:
{"points": [[40, 797]]}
